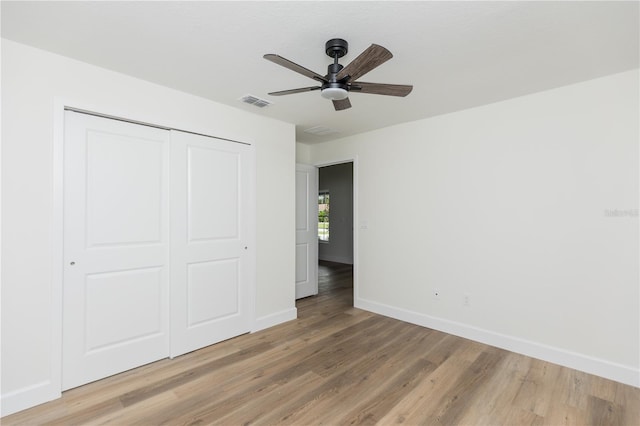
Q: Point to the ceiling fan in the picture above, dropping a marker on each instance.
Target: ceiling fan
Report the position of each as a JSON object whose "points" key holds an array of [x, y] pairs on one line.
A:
{"points": [[341, 80]]}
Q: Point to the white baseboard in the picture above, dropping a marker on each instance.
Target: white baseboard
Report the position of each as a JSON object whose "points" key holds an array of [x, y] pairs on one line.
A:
{"points": [[274, 319], [337, 259], [599, 367], [28, 397]]}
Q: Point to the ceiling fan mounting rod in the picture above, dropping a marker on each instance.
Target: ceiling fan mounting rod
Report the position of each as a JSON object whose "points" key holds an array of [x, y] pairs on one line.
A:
{"points": [[333, 71]]}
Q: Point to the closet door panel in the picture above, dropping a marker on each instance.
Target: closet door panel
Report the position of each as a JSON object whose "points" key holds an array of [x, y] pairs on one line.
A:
{"points": [[209, 232], [116, 247]]}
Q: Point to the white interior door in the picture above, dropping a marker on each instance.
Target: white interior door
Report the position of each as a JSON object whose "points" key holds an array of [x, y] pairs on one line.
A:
{"points": [[306, 230], [116, 247], [210, 212]]}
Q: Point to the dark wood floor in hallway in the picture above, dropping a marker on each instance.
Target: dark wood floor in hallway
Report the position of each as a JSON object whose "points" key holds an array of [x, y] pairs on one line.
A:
{"points": [[339, 365]]}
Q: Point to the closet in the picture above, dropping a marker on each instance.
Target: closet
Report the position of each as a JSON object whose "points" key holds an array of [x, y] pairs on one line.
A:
{"points": [[156, 244]]}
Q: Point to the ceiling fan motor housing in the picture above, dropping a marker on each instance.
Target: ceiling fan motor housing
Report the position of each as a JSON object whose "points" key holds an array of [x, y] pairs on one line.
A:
{"points": [[334, 88]]}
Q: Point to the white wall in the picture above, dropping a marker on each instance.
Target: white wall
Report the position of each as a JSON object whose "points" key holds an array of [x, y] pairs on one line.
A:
{"points": [[338, 180], [508, 203], [31, 81], [303, 153]]}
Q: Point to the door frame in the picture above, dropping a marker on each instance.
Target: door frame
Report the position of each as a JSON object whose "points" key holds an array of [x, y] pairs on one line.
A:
{"points": [[53, 388], [356, 260]]}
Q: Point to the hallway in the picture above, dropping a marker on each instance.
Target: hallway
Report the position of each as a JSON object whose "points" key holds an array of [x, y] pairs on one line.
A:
{"points": [[335, 291]]}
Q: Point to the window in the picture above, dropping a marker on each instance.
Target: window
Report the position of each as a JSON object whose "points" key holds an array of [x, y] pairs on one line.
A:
{"points": [[323, 215]]}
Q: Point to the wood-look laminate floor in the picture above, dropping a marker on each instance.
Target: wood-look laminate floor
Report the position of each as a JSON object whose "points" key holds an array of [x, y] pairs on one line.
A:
{"points": [[340, 365]]}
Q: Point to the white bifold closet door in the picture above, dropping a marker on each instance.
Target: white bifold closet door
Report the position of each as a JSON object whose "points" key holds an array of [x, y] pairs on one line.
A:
{"points": [[155, 223]]}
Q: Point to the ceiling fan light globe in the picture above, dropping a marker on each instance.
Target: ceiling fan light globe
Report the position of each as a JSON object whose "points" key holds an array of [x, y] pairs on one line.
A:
{"points": [[334, 93]]}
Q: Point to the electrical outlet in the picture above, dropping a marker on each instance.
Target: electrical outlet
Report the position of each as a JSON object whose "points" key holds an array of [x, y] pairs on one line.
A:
{"points": [[466, 300]]}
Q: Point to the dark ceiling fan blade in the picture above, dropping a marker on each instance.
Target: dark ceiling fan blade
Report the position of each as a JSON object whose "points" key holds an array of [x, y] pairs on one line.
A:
{"points": [[276, 59], [381, 89], [292, 91], [372, 57], [342, 104]]}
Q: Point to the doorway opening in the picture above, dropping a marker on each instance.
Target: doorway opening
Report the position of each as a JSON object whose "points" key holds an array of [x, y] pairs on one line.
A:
{"points": [[336, 232]]}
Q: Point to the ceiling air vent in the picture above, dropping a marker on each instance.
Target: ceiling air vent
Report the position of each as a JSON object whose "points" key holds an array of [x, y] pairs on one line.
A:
{"points": [[252, 100], [321, 131]]}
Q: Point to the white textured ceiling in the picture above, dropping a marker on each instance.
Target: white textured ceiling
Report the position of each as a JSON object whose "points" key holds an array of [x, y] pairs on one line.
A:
{"points": [[456, 54]]}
